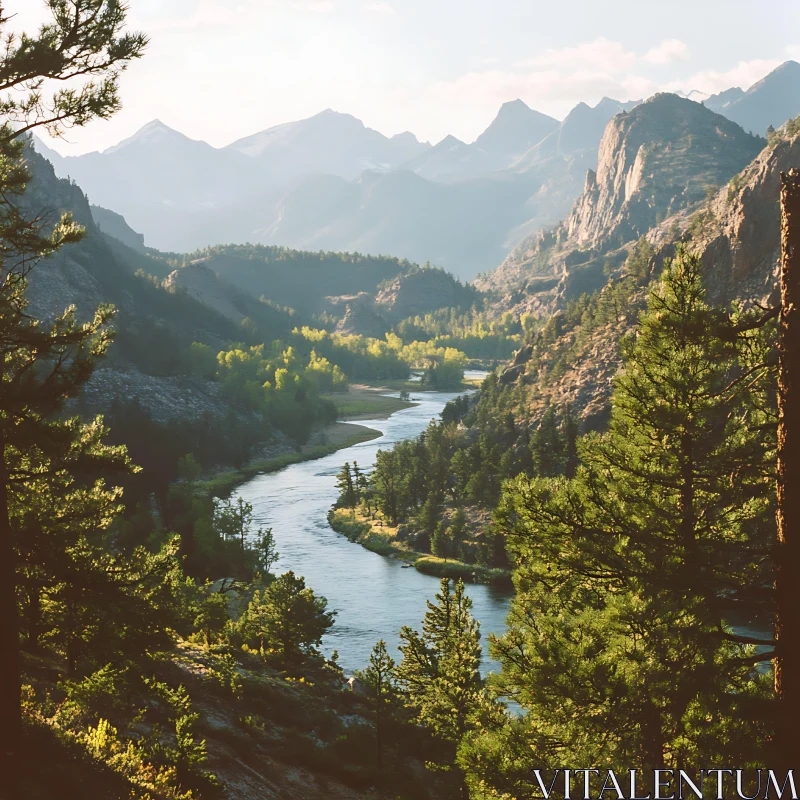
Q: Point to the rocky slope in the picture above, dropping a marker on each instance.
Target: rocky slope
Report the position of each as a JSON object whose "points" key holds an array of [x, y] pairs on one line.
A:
{"points": [[154, 327], [659, 158], [736, 233], [112, 224], [655, 160]]}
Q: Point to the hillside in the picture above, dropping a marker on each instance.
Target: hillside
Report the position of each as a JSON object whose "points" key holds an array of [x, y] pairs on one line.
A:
{"points": [[331, 183], [298, 279], [154, 327], [112, 224], [663, 156], [736, 233]]}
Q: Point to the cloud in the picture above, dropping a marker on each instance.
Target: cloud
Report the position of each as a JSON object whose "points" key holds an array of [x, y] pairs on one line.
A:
{"points": [[744, 75], [490, 61], [551, 90], [600, 54], [793, 51], [379, 7], [668, 51], [553, 81]]}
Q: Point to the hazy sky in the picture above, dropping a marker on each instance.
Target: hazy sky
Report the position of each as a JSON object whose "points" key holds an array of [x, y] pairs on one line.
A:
{"points": [[222, 69]]}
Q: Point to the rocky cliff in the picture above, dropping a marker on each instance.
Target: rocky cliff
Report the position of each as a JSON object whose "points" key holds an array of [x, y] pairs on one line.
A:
{"points": [[736, 232], [653, 161], [112, 224], [665, 155]]}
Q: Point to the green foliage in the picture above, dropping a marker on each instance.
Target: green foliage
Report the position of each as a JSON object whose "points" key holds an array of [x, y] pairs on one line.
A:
{"points": [[439, 675], [85, 41], [280, 385], [212, 617], [473, 332], [295, 279], [371, 359], [348, 491], [618, 646], [379, 679], [287, 618], [787, 131]]}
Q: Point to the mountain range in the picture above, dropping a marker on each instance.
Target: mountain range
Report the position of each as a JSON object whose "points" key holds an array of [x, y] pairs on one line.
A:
{"points": [[331, 183]]}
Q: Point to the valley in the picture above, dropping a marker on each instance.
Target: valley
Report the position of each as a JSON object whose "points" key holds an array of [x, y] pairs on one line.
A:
{"points": [[343, 465]]}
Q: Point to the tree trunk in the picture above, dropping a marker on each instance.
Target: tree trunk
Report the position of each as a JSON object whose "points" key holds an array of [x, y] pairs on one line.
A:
{"points": [[10, 705], [379, 738], [787, 629]]}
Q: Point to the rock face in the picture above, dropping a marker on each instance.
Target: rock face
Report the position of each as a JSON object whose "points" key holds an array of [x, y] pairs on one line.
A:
{"points": [[653, 161], [737, 235], [417, 291], [361, 318], [150, 320], [177, 397], [205, 286]]}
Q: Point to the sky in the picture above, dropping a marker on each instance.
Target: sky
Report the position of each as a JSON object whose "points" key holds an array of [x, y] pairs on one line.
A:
{"points": [[219, 70]]}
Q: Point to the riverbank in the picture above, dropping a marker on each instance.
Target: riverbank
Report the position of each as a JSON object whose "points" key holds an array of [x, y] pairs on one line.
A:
{"points": [[383, 540], [360, 402], [367, 402], [324, 442]]}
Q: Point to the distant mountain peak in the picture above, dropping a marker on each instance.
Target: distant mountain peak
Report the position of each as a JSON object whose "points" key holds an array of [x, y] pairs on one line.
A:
{"points": [[405, 136], [338, 116], [451, 141], [514, 106], [515, 129], [154, 131], [771, 101]]}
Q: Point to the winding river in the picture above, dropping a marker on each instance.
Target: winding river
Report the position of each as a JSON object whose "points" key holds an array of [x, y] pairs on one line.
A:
{"points": [[374, 596]]}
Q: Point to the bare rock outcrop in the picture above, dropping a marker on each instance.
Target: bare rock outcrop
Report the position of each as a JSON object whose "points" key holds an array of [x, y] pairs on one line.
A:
{"points": [[736, 232], [654, 161]]}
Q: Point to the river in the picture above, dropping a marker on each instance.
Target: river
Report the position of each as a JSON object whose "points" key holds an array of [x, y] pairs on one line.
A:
{"points": [[374, 596]]}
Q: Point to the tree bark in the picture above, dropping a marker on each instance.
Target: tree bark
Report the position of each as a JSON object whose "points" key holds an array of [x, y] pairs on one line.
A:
{"points": [[10, 705], [787, 629]]}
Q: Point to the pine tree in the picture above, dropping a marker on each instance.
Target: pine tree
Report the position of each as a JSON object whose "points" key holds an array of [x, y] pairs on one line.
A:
{"points": [[617, 643], [439, 675], [390, 485], [294, 619], [570, 429], [380, 682], [44, 364], [458, 529], [232, 520], [266, 551], [547, 445], [429, 515], [212, 615], [360, 483], [440, 541], [346, 486]]}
